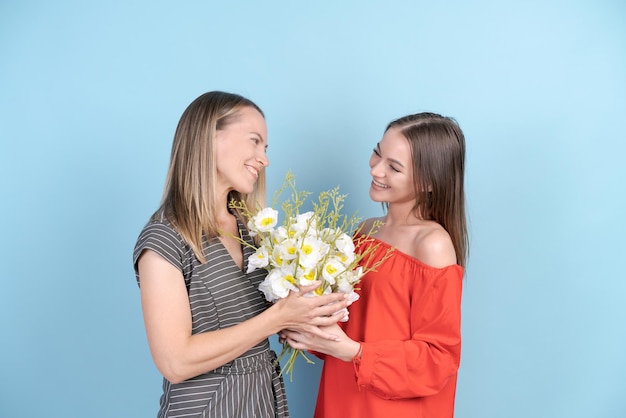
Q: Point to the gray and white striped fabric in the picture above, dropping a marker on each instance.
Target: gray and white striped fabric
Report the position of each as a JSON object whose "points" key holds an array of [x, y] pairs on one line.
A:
{"points": [[221, 295]]}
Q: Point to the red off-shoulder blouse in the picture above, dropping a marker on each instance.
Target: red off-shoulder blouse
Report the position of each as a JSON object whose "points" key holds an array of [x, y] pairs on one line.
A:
{"points": [[408, 320]]}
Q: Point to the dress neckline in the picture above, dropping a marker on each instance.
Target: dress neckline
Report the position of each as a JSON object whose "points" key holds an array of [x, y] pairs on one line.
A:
{"points": [[406, 256]]}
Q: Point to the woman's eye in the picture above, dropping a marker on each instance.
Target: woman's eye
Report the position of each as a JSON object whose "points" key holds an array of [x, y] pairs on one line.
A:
{"points": [[376, 152], [255, 140], [394, 169]]}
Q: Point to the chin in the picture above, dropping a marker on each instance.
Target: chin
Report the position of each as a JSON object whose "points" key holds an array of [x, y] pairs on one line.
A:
{"points": [[245, 188], [374, 197]]}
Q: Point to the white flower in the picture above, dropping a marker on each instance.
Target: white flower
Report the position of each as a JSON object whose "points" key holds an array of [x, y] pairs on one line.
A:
{"points": [[321, 290], [306, 276], [311, 251], [347, 279], [279, 234], [287, 249], [345, 247], [344, 243], [302, 223], [347, 259], [356, 274], [278, 283], [275, 259], [344, 285], [265, 220], [258, 260], [331, 269]]}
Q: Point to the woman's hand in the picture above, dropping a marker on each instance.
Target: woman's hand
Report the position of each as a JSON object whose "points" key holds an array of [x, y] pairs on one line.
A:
{"points": [[309, 313], [344, 348]]}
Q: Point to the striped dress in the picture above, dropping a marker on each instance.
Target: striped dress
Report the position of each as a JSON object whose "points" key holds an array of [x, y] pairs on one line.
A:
{"points": [[221, 295]]}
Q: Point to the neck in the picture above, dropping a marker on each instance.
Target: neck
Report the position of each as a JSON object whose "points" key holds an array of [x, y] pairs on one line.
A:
{"points": [[222, 208], [401, 214]]}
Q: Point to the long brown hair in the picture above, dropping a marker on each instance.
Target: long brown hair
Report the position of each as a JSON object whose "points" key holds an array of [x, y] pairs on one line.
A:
{"points": [[438, 154], [190, 197]]}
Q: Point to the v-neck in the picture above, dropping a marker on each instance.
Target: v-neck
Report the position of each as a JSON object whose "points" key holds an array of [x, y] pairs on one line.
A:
{"points": [[240, 230]]}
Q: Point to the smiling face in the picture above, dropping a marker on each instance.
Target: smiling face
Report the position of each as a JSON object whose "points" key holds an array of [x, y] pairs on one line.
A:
{"points": [[241, 148], [391, 169]]}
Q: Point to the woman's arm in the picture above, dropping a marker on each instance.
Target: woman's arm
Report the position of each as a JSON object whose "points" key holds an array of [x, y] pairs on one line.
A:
{"points": [[423, 364], [179, 355], [419, 366]]}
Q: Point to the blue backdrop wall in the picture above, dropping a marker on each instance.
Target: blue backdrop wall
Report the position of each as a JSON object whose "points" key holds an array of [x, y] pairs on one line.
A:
{"points": [[90, 94]]}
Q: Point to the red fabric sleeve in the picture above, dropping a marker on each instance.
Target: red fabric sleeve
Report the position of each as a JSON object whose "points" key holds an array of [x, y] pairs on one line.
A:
{"points": [[424, 364]]}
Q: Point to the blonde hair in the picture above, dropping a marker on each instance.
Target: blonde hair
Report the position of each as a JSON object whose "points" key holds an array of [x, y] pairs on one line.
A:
{"points": [[438, 153], [190, 196]]}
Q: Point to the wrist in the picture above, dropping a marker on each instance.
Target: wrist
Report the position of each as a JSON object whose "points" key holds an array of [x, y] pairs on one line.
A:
{"points": [[354, 352], [273, 318]]}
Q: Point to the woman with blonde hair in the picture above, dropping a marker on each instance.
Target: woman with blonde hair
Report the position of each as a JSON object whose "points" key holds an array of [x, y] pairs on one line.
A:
{"points": [[206, 321]]}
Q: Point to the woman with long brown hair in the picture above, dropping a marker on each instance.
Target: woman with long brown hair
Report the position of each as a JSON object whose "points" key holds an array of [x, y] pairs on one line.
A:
{"points": [[399, 352]]}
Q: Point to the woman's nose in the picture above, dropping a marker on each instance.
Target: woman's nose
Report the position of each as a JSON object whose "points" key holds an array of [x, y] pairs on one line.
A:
{"points": [[263, 160], [375, 170]]}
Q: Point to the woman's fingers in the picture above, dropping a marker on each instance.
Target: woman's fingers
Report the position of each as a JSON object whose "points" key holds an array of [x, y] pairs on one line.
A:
{"points": [[323, 299], [309, 288], [335, 310]]}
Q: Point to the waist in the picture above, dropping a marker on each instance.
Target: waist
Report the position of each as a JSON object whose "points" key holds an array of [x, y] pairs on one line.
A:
{"points": [[258, 358]]}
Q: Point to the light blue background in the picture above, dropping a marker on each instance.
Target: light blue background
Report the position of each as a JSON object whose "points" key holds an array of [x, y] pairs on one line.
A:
{"points": [[90, 94]]}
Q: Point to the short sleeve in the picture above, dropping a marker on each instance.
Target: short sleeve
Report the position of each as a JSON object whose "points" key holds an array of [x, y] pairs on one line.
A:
{"points": [[164, 240]]}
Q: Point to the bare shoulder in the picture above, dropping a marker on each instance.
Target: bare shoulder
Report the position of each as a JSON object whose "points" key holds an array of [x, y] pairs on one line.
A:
{"points": [[434, 247]]}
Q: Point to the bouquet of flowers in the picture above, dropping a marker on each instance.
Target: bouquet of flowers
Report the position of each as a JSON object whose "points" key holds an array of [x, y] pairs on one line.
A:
{"points": [[309, 246]]}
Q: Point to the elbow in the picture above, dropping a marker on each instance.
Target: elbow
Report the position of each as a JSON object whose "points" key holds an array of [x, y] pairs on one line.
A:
{"points": [[174, 378], [172, 371]]}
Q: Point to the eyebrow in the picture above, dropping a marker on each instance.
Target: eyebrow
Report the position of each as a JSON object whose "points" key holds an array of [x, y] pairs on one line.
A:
{"points": [[393, 160]]}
